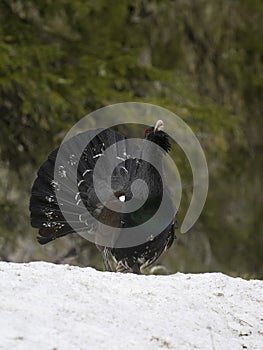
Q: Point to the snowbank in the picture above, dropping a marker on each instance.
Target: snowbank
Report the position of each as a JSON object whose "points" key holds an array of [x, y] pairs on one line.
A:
{"points": [[47, 306]]}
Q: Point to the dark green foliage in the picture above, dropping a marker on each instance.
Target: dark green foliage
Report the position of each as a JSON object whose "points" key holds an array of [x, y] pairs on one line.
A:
{"points": [[59, 60]]}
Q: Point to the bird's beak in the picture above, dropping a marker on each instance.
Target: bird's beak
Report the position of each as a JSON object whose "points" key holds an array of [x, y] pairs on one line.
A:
{"points": [[158, 126]]}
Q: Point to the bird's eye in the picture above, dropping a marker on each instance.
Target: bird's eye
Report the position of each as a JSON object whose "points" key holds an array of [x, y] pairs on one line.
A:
{"points": [[147, 131]]}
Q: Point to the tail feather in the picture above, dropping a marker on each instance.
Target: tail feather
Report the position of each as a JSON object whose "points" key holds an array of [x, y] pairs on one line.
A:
{"points": [[72, 184], [48, 234]]}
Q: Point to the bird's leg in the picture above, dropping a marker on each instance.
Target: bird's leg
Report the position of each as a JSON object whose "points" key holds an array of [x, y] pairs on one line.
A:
{"points": [[105, 256], [136, 269]]}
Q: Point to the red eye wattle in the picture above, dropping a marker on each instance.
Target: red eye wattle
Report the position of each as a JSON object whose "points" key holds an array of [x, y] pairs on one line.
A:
{"points": [[147, 131]]}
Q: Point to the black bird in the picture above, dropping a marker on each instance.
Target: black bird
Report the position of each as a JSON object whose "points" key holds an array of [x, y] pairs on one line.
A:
{"points": [[59, 208]]}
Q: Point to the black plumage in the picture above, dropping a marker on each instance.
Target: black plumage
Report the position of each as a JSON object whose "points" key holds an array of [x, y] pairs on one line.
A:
{"points": [[54, 189]]}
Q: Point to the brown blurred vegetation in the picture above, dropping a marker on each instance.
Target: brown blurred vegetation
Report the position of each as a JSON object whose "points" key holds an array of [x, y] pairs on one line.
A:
{"points": [[202, 59]]}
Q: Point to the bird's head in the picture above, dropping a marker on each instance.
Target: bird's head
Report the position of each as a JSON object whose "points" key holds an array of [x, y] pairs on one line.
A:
{"points": [[157, 135]]}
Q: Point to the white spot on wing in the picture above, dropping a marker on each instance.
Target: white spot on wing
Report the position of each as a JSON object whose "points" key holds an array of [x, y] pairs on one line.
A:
{"points": [[122, 198]]}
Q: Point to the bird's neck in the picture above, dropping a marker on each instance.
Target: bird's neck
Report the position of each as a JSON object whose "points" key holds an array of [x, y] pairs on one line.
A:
{"points": [[154, 158]]}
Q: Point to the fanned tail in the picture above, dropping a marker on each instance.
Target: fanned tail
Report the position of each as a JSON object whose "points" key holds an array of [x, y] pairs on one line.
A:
{"points": [[68, 184]]}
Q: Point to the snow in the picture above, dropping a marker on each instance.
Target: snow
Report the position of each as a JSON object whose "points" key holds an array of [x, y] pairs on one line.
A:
{"points": [[47, 306]]}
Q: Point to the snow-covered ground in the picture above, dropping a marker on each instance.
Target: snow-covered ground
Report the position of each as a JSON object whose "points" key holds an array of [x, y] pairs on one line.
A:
{"points": [[47, 306]]}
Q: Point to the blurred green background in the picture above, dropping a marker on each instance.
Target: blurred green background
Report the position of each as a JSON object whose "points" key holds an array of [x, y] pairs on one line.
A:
{"points": [[60, 60]]}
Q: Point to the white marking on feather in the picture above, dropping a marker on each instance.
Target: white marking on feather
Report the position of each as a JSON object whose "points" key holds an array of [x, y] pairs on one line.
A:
{"points": [[86, 171], [61, 171], [122, 198], [127, 156], [141, 260], [121, 158], [49, 214], [123, 167], [80, 182], [97, 155], [55, 185], [50, 199], [72, 160]]}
